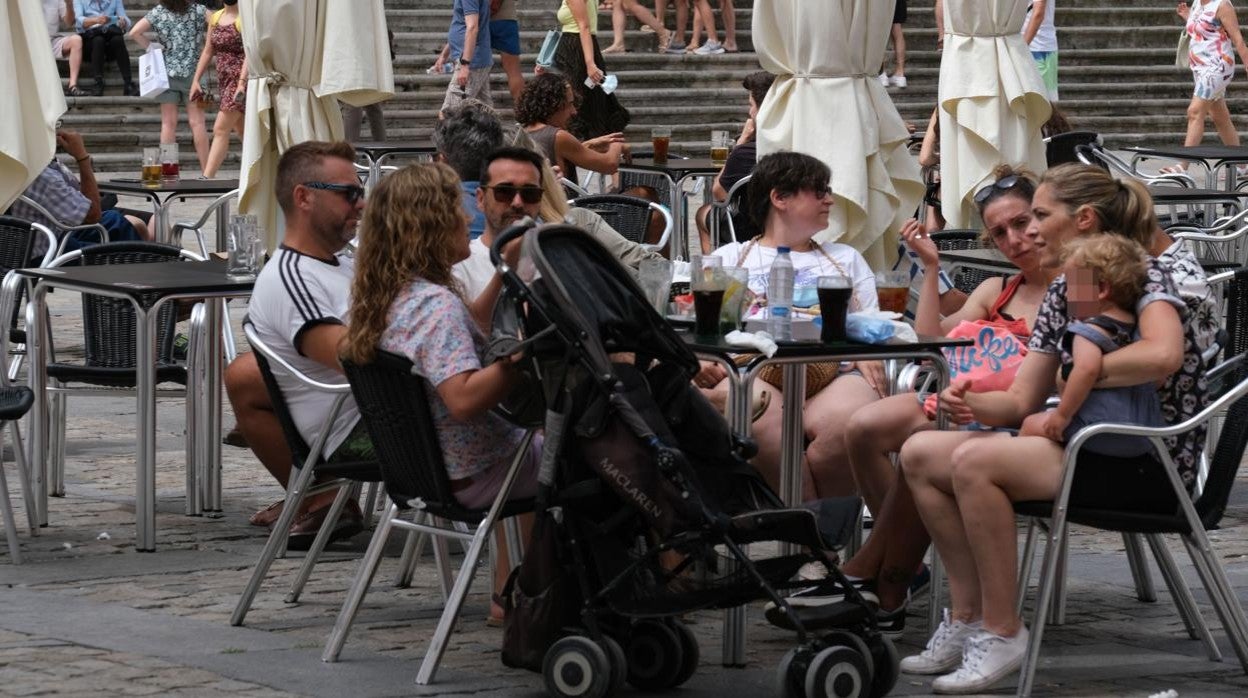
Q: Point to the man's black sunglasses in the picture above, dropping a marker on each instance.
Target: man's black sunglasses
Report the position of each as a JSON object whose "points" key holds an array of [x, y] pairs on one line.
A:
{"points": [[351, 192], [506, 193], [998, 187]]}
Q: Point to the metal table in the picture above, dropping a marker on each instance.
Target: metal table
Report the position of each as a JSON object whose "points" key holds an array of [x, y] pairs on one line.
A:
{"points": [[991, 260], [1210, 157], [172, 281], [161, 197], [793, 357], [677, 172], [376, 152]]}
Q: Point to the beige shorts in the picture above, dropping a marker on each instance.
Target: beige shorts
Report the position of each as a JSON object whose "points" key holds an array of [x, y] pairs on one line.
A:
{"points": [[58, 47], [478, 88]]}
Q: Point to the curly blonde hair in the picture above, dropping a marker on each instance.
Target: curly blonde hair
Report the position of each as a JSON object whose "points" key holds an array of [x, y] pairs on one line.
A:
{"points": [[1116, 261], [409, 230]]}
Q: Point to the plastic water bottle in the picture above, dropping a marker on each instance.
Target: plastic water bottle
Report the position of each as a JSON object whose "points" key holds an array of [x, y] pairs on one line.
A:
{"points": [[780, 297]]}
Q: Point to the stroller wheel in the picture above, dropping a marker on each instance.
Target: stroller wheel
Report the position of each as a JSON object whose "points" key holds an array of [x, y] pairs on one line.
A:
{"points": [[855, 642], [887, 665], [655, 656], [791, 674], [839, 672], [619, 664], [691, 654], [576, 667]]}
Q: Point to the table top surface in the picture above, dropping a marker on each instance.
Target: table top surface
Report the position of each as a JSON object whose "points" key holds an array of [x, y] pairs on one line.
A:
{"points": [[1170, 194], [816, 349], [181, 186], [165, 278], [376, 148], [677, 167], [1195, 152]]}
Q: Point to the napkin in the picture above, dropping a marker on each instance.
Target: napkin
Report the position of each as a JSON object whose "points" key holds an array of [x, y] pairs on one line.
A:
{"points": [[754, 340], [877, 327]]}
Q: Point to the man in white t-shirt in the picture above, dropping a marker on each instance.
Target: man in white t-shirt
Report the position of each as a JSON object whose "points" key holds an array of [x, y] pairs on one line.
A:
{"points": [[299, 308], [66, 46], [510, 189], [1041, 37]]}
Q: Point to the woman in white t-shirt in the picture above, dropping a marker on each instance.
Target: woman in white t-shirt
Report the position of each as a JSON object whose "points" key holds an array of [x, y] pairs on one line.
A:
{"points": [[790, 199]]}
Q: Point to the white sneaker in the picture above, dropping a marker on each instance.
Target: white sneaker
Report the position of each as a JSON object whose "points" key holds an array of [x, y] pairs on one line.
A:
{"points": [[944, 650], [710, 48], [988, 658], [812, 572], [897, 81], [884, 79]]}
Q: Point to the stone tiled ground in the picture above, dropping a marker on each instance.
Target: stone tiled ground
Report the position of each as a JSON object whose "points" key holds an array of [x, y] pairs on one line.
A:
{"points": [[86, 615]]}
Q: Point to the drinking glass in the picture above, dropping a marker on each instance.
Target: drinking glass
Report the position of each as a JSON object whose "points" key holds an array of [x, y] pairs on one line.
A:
{"points": [[655, 278], [242, 262], [151, 167], [720, 145], [708, 297], [169, 161], [893, 290], [660, 138], [736, 289], [834, 294]]}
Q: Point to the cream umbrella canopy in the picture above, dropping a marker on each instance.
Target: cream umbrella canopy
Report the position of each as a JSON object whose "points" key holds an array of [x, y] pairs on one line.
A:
{"points": [[992, 101], [826, 102], [303, 56], [33, 98]]}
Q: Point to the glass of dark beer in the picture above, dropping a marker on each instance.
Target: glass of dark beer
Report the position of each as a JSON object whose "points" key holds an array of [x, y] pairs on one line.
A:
{"points": [[834, 294]]}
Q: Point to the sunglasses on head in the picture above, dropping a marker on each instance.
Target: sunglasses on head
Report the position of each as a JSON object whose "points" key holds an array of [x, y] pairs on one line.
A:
{"points": [[351, 192], [506, 193], [1000, 186]]}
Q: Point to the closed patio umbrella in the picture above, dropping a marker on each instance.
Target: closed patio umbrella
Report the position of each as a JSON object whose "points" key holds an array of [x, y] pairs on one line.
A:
{"points": [[32, 102], [302, 57], [826, 102], [992, 101]]}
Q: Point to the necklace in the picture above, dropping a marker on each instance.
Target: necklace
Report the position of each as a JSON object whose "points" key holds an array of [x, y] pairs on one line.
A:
{"points": [[840, 269]]}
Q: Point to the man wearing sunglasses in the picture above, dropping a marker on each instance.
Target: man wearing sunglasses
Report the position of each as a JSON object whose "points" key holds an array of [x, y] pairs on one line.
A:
{"points": [[510, 189], [299, 308]]}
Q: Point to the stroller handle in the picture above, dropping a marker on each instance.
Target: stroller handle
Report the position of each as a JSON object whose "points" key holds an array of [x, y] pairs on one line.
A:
{"points": [[509, 234]]}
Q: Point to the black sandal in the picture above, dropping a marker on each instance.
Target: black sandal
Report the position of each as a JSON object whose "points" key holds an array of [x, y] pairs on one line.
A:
{"points": [[75, 91]]}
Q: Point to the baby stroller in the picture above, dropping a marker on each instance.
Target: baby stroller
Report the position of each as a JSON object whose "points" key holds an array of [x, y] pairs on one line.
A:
{"points": [[645, 499]]}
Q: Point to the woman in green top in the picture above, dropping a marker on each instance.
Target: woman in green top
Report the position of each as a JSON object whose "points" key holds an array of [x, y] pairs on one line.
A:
{"points": [[579, 59], [180, 26]]}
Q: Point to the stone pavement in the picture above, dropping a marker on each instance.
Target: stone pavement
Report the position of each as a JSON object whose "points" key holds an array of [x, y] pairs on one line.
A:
{"points": [[87, 615]]}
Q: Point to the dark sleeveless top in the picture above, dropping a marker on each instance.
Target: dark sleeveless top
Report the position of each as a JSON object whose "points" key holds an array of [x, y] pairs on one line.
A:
{"points": [[1015, 325]]}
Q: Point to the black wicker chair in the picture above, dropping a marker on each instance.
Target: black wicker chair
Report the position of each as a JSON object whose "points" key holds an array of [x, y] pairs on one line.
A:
{"points": [[393, 403], [965, 279], [1060, 148], [17, 242], [15, 402], [1190, 519], [313, 474], [628, 215]]}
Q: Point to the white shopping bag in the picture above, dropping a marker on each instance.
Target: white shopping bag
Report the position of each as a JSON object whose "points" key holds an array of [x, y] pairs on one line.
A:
{"points": [[152, 76]]}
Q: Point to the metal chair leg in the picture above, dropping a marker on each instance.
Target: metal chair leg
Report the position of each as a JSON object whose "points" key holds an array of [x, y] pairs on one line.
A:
{"points": [[463, 582], [1189, 612], [413, 548], [6, 511], [1057, 608], [935, 590], [318, 544], [1054, 550], [1221, 594], [276, 544], [1144, 589], [1024, 567], [359, 587], [56, 484], [442, 558], [370, 503], [23, 477], [195, 463]]}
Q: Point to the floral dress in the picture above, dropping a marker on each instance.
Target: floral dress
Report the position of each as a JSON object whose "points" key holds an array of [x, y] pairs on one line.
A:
{"points": [[227, 47], [1213, 63], [182, 35]]}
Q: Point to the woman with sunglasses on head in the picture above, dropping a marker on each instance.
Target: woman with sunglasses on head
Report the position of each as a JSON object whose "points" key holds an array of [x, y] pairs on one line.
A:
{"points": [[964, 488], [546, 106], [887, 563], [790, 200]]}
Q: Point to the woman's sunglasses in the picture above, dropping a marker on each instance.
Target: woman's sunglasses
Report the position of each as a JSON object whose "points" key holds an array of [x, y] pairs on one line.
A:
{"points": [[506, 193], [1000, 186], [351, 192]]}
